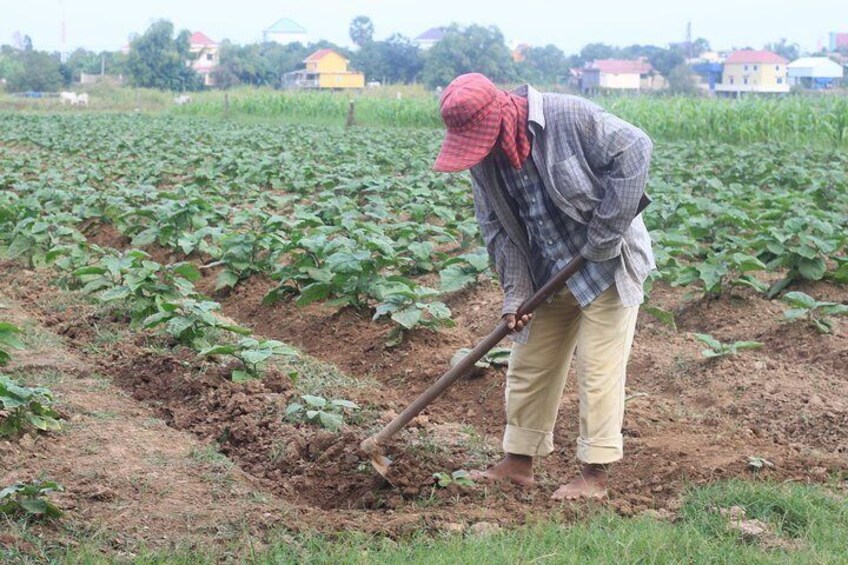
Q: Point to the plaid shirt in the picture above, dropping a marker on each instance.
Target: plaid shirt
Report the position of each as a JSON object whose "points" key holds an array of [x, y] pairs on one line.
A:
{"points": [[555, 239], [593, 166]]}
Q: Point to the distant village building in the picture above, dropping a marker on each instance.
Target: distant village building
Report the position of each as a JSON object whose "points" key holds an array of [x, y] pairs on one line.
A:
{"points": [[430, 37], [753, 71], [838, 41], [519, 52], [285, 31], [814, 72], [621, 74], [325, 69], [206, 56]]}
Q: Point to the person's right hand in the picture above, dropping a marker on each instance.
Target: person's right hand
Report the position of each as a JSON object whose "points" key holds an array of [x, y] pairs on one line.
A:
{"points": [[516, 325]]}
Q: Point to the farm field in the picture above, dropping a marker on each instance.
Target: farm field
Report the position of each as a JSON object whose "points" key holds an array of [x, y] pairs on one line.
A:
{"points": [[223, 310]]}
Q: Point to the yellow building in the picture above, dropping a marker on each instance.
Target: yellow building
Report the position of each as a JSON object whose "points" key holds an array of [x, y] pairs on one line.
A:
{"points": [[754, 71], [325, 69]]}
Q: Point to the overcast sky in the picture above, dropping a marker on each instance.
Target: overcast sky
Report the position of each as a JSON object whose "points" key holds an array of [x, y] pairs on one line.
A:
{"points": [[569, 24]]}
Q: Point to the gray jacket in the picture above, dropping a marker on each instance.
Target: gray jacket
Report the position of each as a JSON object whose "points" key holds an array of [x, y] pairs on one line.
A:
{"points": [[594, 167]]}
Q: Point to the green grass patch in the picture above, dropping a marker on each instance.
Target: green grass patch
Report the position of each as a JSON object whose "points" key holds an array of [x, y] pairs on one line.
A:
{"points": [[812, 520]]}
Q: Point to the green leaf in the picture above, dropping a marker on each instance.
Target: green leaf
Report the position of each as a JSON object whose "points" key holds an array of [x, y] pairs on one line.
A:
{"points": [[312, 293], [408, 318], [708, 340], [293, 408], [812, 269], [795, 313], [663, 316], [330, 420], [256, 356], [823, 326], [746, 345], [219, 350], [34, 505], [226, 279], [834, 309], [233, 329], [188, 271], [439, 310], [115, 293], [454, 278], [145, 237], [799, 300], [316, 401], [345, 404], [240, 376]]}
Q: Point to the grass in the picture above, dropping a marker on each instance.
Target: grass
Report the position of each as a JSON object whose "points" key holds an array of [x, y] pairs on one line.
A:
{"points": [[809, 522]]}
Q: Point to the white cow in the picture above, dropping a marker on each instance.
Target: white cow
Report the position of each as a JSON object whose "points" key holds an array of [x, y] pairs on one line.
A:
{"points": [[182, 99], [82, 100], [68, 97]]}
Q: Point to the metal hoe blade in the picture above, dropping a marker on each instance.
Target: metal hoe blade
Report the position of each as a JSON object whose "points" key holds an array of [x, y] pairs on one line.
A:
{"points": [[379, 461]]}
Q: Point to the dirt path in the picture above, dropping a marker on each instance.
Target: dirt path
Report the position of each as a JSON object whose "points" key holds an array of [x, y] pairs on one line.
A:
{"points": [[129, 478]]}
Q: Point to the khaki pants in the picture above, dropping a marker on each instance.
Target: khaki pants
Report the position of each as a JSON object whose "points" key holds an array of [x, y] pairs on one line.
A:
{"points": [[602, 333]]}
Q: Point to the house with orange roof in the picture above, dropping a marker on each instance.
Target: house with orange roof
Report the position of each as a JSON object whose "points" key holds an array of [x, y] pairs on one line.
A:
{"points": [[206, 56], [325, 68], [620, 74], [753, 71]]}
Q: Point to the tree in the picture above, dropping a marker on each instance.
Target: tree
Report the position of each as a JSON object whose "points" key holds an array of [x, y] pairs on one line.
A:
{"points": [[790, 51], [361, 30], [159, 60], [700, 46], [681, 80], [30, 70], [546, 64], [595, 51], [394, 60], [471, 49], [664, 60]]}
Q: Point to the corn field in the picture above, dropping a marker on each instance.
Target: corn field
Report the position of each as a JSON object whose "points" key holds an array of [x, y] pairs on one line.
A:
{"points": [[798, 119]]}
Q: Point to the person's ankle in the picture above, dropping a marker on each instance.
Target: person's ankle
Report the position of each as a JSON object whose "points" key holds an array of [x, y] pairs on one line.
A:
{"points": [[595, 469]]}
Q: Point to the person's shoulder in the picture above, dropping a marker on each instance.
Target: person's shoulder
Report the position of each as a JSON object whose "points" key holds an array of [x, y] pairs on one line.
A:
{"points": [[568, 101], [568, 108]]}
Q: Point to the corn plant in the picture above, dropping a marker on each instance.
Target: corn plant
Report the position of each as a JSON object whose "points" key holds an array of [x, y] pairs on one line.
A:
{"points": [[815, 313]]}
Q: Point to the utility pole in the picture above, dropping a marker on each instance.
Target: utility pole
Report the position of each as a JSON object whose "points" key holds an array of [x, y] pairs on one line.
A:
{"points": [[689, 39], [103, 64]]}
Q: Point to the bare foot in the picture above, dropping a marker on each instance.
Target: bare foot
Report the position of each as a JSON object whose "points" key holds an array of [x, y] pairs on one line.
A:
{"points": [[515, 468], [591, 483]]}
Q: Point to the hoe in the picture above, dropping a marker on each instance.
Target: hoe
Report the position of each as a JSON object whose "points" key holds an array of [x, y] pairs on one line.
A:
{"points": [[373, 446]]}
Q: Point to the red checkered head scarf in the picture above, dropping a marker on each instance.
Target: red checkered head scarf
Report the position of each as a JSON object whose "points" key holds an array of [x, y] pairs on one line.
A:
{"points": [[479, 117]]}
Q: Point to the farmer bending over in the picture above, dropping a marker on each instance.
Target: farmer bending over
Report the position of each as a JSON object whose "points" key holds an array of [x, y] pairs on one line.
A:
{"points": [[554, 177]]}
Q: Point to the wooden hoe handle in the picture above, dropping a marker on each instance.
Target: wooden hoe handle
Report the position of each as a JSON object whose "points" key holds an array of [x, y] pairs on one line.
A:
{"points": [[501, 331]]}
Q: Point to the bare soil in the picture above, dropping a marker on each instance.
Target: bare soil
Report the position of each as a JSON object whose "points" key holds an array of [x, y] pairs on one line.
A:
{"points": [[689, 420]]}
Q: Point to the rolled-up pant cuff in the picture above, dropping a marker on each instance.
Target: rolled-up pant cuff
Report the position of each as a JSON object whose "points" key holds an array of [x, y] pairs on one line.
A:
{"points": [[600, 450], [524, 441]]}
